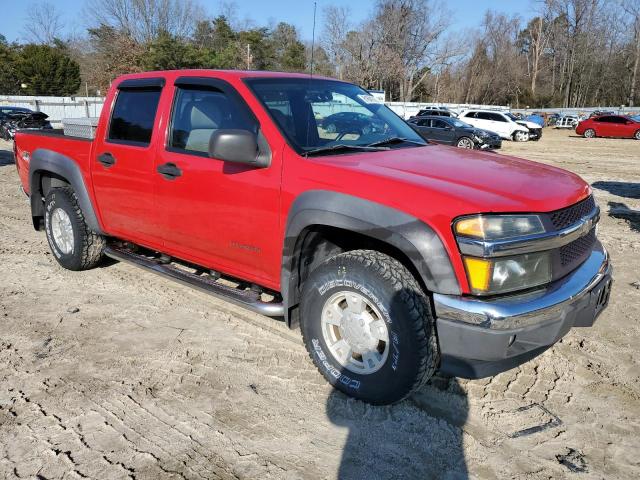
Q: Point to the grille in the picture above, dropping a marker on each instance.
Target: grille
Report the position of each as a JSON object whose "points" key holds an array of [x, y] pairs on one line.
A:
{"points": [[573, 251], [570, 215]]}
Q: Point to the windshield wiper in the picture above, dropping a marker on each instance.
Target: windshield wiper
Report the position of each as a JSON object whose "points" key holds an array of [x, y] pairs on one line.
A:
{"points": [[392, 140], [342, 147]]}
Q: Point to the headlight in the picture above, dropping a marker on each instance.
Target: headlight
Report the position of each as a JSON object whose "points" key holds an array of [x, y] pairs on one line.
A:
{"points": [[498, 227], [506, 274]]}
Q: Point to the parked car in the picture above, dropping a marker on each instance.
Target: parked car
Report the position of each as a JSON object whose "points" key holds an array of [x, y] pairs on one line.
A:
{"points": [[452, 131], [436, 112], [598, 113], [344, 123], [499, 122], [395, 257], [566, 121], [14, 118], [536, 117], [610, 126]]}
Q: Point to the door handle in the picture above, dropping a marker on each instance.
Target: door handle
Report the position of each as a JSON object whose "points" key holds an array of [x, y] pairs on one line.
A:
{"points": [[107, 160], [169, 171]]}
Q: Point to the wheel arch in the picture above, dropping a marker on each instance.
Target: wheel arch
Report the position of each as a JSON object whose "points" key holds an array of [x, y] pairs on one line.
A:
{"points": [[323, 223], [49, 169]]}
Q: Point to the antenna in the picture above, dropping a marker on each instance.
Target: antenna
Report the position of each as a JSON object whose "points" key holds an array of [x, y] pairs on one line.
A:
{"points": [[313, 38]]}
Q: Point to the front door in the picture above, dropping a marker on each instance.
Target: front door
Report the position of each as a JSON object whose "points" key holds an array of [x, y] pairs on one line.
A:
{"points": [[123, 163], [214, 213], [442, 132]]}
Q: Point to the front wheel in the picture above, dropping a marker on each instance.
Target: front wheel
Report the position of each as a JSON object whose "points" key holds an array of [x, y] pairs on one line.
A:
{"points": [[521, 136], [637, 135], [465, 142], [367, 326], [74, 245], [590, 133]]}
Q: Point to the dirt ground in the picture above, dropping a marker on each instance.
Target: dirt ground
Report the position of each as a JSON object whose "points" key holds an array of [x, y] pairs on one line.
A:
{"points": [[116, 373]]}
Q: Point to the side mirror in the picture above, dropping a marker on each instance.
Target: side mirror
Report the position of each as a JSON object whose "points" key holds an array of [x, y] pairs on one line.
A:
{"points": [[240, 146]]}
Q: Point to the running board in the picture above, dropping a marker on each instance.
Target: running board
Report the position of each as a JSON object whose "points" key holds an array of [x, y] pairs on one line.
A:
{"points": [[244, 298]]}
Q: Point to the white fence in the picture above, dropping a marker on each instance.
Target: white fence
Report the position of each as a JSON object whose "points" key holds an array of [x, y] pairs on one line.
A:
{"points": [[57, 107], [76, 107]]}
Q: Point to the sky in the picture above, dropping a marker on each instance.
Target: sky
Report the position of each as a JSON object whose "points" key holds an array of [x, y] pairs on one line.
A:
{"points": [[465, 13]]}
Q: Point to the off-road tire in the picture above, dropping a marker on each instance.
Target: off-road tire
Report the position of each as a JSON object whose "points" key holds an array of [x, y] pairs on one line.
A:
{"points": [[87, 245], [405, 308]]}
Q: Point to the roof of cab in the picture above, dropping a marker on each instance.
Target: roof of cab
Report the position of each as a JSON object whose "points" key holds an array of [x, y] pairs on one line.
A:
{"points": [[228, 74]]}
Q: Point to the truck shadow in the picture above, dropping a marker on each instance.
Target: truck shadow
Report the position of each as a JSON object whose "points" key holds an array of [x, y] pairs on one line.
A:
{"points": [[6, 158], [623, 212], [420, 437], [620, 189]]}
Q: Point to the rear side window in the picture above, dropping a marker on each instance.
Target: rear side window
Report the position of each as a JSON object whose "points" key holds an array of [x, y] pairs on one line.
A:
{"points": [[133, 116]]}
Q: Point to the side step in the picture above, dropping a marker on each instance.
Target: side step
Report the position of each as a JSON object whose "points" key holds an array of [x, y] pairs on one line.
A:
{"points": [[244, 298]]}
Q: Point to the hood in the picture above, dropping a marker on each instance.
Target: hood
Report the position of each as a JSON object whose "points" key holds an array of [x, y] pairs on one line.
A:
{"points": [[526, 123], [467, 181]]}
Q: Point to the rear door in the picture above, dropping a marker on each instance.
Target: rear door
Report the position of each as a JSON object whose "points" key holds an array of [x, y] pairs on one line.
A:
{"points": [[214, 213], [122, 167]]}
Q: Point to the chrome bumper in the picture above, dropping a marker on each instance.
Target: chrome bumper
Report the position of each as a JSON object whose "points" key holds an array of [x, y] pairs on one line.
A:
{"points": [[508, 329]]}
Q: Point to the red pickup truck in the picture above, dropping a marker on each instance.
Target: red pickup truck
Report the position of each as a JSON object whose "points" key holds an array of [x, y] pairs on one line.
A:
{"points": [[395, 257]]}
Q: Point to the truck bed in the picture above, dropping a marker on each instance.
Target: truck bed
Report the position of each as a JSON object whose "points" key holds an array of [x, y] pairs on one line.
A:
{"points": [[77, 148]]}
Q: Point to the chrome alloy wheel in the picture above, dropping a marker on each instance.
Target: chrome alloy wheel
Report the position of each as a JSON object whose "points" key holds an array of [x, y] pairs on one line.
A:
{"points": [[355, 333], [465, 142], [589, 133], [62, 230], [521, 136]]}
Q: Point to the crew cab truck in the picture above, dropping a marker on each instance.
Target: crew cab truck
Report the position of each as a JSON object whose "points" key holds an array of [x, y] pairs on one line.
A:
{"points": [[395, 257]]}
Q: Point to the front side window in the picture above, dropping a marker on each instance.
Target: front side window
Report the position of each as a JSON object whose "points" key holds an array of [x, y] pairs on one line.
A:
{"points": [[496, 117], [317, 114], [133, 115], [197, 113]]}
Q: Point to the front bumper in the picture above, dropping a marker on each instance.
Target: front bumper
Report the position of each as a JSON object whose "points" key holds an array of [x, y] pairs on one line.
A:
{"points": [[482, 337], [491, 143]]}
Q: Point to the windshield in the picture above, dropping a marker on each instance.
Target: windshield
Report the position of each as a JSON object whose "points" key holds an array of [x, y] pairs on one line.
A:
{"points": [[511, 116], [319, 114]]}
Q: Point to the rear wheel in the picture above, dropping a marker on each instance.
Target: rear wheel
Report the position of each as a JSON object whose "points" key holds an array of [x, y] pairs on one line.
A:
{"points": [[73, 244], [637, 135], [368, 327], [465, 142], [331, 128], [590, 133]]}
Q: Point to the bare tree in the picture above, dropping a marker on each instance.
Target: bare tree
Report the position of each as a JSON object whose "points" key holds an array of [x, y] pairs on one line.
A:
{"points": [[43, 23], [632, 11], [334, 36], [409, 31], [144, 20]]}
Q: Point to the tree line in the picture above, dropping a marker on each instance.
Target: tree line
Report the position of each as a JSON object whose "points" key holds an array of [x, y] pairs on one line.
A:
{"points": [[568, 53]]}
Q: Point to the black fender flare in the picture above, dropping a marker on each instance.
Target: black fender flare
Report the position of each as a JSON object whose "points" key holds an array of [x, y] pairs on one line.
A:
{"points": [[45, 161], [419, 242]]}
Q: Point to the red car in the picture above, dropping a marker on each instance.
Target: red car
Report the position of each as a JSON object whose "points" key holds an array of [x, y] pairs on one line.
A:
{"points": [[610, 126], [394, 256]]}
